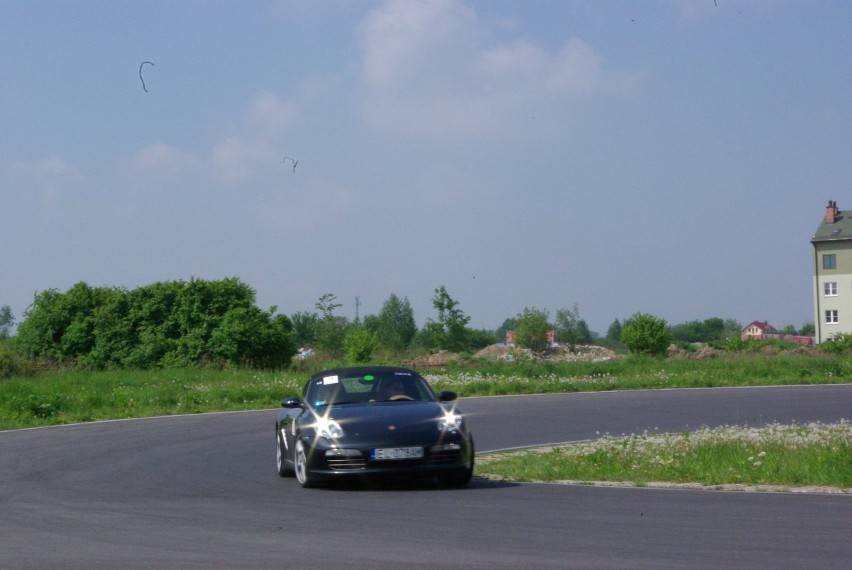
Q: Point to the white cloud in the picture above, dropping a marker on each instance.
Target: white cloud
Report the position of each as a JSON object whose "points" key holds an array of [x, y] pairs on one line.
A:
{"points": [[237, 158], [53, 165], [46, 176], [428, 67], [234, 157], [404, 38], [269, 116], [320, 202], [258, 144], [163, 157]]}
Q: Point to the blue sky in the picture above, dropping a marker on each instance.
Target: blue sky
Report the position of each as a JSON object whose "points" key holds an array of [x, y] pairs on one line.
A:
{"points": [[668, 157]]}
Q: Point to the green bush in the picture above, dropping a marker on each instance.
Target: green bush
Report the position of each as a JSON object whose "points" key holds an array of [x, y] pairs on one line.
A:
{"points": [[532, 329], [647, 335], [359, 345], [840, 343], [12, 362], [172, 324]]}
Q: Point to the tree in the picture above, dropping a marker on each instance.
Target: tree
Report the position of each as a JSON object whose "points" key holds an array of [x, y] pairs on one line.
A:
{"points": [[329, 330], [532, 329], [7, 320], [646, 334], [709, 330], [360, 344], [304, 325], [807, 329], [480, 338], [395, 326], [613, 333], [249, 336], [449, 332], [570, 328], [164, 324], [509, 324]]}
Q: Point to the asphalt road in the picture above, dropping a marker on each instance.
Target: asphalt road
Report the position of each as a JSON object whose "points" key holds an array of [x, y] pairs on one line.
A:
{"points": [[201, 491]]}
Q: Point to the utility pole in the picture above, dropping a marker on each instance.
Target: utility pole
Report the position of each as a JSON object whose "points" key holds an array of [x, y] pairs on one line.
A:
{"points": [[357, 306]]}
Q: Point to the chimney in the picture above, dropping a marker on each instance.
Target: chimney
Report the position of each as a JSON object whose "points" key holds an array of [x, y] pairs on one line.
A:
{"points": [[831, 212]]}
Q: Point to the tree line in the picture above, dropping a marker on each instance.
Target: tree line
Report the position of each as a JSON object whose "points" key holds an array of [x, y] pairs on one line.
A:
{"points": [[201, 322], [170, 324]]}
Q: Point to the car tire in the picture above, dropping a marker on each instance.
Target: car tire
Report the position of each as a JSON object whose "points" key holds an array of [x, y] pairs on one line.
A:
{"points": [[300, 460], [457, 479], [284, 469]]}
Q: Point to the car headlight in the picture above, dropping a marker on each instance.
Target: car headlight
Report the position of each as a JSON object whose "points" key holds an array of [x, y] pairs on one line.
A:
{"points": [[328, 428], [451, 421]]}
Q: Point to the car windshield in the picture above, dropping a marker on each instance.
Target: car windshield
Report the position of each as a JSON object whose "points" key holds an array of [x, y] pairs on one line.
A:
{"points": [[384, 386]]}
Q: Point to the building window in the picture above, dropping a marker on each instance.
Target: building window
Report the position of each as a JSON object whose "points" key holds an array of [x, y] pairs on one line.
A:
{"points": [[830, 289], [829, 261], [831, 317]]}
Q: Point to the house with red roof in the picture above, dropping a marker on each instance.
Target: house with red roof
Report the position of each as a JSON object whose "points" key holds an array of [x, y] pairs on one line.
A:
{"points": [[756, 329]]}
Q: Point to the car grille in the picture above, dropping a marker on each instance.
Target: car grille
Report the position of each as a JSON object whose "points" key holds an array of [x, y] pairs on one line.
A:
{"points": [[346, 463], [434, 458], [444, 457]]}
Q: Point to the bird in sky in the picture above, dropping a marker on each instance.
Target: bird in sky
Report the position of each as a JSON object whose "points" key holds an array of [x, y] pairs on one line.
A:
{"points": [[293, 160], [145, 89]]}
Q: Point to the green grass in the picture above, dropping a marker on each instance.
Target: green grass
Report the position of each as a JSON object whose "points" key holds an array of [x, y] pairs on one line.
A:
{"points": [[501, 378], [68, 396], [811, 454], [778, 455], [81, 396]]}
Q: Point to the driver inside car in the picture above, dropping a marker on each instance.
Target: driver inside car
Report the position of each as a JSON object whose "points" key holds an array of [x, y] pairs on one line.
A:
{"points": [[395, 390]]}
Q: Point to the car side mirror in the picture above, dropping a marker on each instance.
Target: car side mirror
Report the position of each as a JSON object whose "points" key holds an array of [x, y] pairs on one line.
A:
{"points": [[291, 403], [447, 396]]}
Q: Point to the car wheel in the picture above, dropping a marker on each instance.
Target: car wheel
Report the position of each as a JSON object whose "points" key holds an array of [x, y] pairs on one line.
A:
{"points": [[284, 469], [457, 479], [301, 461]]}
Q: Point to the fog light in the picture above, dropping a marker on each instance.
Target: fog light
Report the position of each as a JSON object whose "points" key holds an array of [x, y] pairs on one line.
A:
{"points": [[337, 453], [445, 447]]}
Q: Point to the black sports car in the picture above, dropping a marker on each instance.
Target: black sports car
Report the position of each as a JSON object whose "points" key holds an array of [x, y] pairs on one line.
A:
{"points": [[372, 420]]}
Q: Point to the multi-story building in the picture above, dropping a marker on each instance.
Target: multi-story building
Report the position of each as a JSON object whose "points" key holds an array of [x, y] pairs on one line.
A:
{"points": [[833, 274]]}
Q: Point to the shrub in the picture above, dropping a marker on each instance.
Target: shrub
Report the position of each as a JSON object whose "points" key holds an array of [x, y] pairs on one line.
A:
{"points": [[12, 362], [646, 334], [161, 325], [359, 345], [532, 329], [839, 343]]}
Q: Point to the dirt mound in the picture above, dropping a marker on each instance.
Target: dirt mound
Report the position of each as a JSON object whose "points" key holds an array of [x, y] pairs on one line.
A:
{"points": [[440, 358], [581, 353], [701, 352]]}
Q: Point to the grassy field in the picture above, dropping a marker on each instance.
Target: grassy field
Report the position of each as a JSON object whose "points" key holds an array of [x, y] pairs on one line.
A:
{"points": [[773, 456], [70, 396], [776, 455]]}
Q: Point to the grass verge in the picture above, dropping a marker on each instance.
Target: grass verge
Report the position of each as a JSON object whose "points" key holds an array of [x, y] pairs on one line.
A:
{"points": [[786, 456], [70, 396]]}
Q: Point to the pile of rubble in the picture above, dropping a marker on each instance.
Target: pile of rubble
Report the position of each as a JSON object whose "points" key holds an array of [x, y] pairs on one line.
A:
{"points": [[701, 352], [440, 358], [561, 353]]}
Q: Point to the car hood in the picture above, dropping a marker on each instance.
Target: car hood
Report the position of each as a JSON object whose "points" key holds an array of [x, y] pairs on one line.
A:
{"points": [[389, 421]]}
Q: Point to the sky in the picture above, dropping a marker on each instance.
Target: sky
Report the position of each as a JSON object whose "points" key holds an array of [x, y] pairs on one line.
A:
{"points": [[668, 157]]}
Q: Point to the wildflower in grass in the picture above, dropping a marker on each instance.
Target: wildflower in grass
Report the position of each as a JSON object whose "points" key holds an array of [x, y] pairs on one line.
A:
{"points": [[697, 455]]}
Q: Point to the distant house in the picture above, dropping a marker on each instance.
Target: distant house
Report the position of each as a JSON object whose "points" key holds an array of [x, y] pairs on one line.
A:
{"points": [[757, 329], [762, 330], [832, 274]]}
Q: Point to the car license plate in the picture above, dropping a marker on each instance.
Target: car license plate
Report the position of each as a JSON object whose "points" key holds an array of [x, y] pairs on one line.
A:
{"points": [[385, 453]]}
